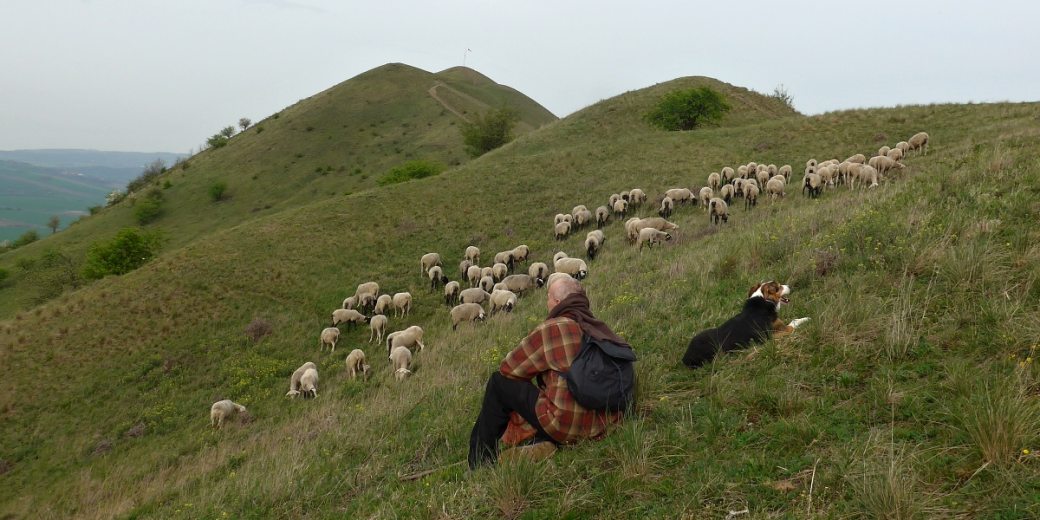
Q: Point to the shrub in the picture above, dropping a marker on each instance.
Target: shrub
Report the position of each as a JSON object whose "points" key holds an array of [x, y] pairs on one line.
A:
{"points": [[217, 191], [489, 131], [216, 141], [687, 109], [411, 170], [257, 329], [129, 249], [94, 210], [781, 94], [150, 172], [27, 238], [4, 273], [49, 275], [147, 210]]}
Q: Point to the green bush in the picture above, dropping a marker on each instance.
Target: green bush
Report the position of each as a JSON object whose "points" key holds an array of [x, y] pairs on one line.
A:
{"points": [[150, 173], [217, 191], [94, 210], [216, 141], [27, 238], [4, 273], [128, 250], [489, 131], [687, 109], [147, 210], [411, 170]]}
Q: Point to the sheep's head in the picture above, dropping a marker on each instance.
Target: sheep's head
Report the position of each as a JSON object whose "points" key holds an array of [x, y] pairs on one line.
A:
{"points": [[539, 282], [667, 236], [402, 373], [292, 393], [581, 275]]}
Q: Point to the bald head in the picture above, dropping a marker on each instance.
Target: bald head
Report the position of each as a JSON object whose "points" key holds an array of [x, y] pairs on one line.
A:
{"points": [[560, 289]]}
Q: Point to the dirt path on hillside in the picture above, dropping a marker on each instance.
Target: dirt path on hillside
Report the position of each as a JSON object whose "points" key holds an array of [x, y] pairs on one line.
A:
{"points": [[433, 94]]}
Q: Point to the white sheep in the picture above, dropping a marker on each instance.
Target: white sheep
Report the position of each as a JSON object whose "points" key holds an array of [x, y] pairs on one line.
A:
{"points": [[294, 380], [400, 362], [772, 170], [451, 292], [593, 243], [705, 196], [402, 303], [613, 198], [865, 174], [714, 180], [486, 283], [620, 207], [857, 159], [466, 312], [785, 170], [750, 196], [520, 253], [884, 164], [507, 258], [309, 383], [350, 302], [329, 336], [377, 326], [436, 275], [582, 218], [680, 195], [762, 176], [738, 186], [632, 227], [814, 184], [520, 283], [717, 211], [503, 300], [558, 256], [774, 188], [473, 254], [727, 174], [410, 337], [366, 294], [356, 363], [667, 207], [726, 192], [651, 236], [349, 316], [538, 270], [561, 230], [464, 268], [474, 274], [602, 216], [384, 303], [636, 197], [827, 174], [487, 271], [499, 271], [474, 295], [222, 410], [883, 150], [904, 146], [427, 261], [895, 154], [742, 171], [573, 266], [560, 217]]}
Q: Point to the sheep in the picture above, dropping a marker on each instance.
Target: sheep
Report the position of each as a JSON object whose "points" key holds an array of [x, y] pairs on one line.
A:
{"points": [[558, 256], [377, 327], [464, 268], [473, 254], [634, 226], [826, 174], [883, 164], [814, 184], [520, 253], [865, 173], [466, 312], [811, 163], [680, 195], [828, 162], [559, 218], [487, 271], [752, 168], [503, 300], [555, 276], [883, 150], [895, 154], [726, 193], [727, 174], [904, 146], [705, 196], [785, 170], [294, 380], [520, 283], [506, 257], [538, 270], [329, 336], [473, 274], [356, 363], [350, 302], [309, 383], [667, 206], [620, 207], [474, 295], [349, 316], [774, 188], [582, 218], [366, 294], [750, 196], [738, 186], [752, 182], [384, 303], [400, 361], [437, 277], [573, 266], [613, 198], [593, 242], [650, 236], [224, 410], [577, 209], [561, 230], [714, 180], [762, 177], [742, 171], [410, 337], [402, 302], [624, 195], [602, 216], [772, 170], [857, 159], [451, 292], [499, 271], [636, 197], [486, 283], [717, 211], [427, 261]]}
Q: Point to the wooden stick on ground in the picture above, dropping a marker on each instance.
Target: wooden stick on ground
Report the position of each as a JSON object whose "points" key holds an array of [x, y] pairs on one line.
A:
{"points": [[421, 474]]}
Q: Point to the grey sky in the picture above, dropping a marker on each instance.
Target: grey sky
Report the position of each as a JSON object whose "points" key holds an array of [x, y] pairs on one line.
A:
{"points": [[144, 75]]}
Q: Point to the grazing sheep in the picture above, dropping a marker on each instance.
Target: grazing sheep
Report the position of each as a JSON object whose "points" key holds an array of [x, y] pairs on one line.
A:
{"points": [[752, 168], [651, 236], [409, 338], [667, 206], [772, 170], [726, 192], [742, 171], [402, 302], [466, 312], [473, 254], [680, 195], [499, 271], [714, 180], [503, 300], [705, 196], [811, 163], [520, 283], [865, 174], [400, 361], [225, 409], [538, 270], [349, 316], [884, 164], [624, 195], [602, 216], [559, 218], [558, 256], [738, 186], [752, 182], [506, 257], [785, 170], [620, 207], [366, 294], [464, 268], [356, 363], [814, 184], [329, 336], [633, 227], [582, 218], [377, 326], [593, 242], [437, 277], [474, 295], [350, 302], [561, 230], [775, 188], [826, 174], [636, 197], [385, 302], [427, 261], [520, 253], [579, 208], [613, 198], [904, 146], [487, 271], [309, 383], [883, 150], [750, 196], [762, 177], [294, 380], [857, 159], [895, 154], [573, 266], [473, 274], [451, 292], [718, 211], [727, 174], [486, 283]]}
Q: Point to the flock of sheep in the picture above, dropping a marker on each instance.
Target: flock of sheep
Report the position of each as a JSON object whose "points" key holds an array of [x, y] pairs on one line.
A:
{"points": [[499, 288]]}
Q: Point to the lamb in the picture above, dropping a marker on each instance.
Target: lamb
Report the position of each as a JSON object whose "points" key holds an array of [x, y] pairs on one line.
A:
{"points": [[857, 159], [602, 216], [593, 242], [750, 196], [774, 188], [503, 300], [384, 302], [356, 363], [473, 254], [427, 261], [651, 236], [329, 336], [350, 302], [349, 316], [814, 184], [726, 193], [451, 292], [486, 283], [474, 295], [400, 361], [538, 270], [410, 337], [402, 302], [667, 206], [573, 266], [499, 271], [717, 211], [297, 375], [785, 170], [680, 195], [464, 268], [705, 196], [437, 277], [558, 256], [895, 154], [366, 294], [620, 207], [636, 197], [520, 253], [884, 164], [473, 274], [714, 180], [561, 230], [466, 312], [520, 283], [224, 410], [727, 174], [377, 326]]}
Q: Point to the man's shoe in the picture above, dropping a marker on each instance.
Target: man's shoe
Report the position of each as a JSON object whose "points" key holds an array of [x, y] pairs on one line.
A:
{"points": [[532, 452]]}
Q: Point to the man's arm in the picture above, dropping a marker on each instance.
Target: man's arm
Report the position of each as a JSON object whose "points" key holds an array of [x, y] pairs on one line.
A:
{"points": [[527, 360]]}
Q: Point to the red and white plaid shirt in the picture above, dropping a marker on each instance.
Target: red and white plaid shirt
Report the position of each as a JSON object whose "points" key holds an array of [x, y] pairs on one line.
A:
{"points": [[546, 352]]}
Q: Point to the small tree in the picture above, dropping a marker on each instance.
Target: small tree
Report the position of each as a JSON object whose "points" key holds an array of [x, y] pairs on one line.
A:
{"points": [[53, 223], [686, 109], [128, 250], [27, 238], [227, 131], [217, 191], [244, 123], [487, 132], [781, 94], [216, 141]]}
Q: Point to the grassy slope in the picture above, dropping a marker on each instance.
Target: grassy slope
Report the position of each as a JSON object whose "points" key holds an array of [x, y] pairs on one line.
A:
{"points": [[337, 141], [908, 264]]}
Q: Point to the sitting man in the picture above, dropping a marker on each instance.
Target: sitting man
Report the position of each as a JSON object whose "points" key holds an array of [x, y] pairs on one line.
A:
{"points": [[546, 413]]}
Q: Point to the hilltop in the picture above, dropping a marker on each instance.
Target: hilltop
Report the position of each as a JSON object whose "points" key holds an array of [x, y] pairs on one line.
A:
{"points": [[874, 403]]}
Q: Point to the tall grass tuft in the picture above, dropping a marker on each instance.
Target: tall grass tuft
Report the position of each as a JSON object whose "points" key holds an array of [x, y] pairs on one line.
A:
{"points": [[905, 322], [1000, 419], [517, 486]]}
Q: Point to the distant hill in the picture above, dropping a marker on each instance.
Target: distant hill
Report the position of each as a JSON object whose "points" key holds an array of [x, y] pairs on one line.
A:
{"points": [[30, 195], [114, 168]]}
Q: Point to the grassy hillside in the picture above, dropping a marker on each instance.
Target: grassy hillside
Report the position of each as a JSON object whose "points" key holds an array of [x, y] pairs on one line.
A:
{"points": [[336, 142], [30, 195], [894, 399]]}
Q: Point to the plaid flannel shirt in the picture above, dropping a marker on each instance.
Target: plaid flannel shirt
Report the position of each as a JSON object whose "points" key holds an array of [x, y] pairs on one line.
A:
{"points": [[548, 350]]}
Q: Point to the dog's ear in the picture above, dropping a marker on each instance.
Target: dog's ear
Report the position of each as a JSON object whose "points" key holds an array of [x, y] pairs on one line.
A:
{"points": [[753, 289]]}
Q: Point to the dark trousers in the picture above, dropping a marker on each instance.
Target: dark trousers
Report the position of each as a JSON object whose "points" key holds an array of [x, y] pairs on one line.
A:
{"points": [[502, 396]]}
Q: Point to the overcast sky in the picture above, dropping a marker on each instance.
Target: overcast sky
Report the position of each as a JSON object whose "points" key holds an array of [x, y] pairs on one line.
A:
{"points": [[144, 75]]}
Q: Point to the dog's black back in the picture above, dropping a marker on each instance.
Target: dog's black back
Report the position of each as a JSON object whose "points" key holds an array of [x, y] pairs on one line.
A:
{"points": [[753, 324]]}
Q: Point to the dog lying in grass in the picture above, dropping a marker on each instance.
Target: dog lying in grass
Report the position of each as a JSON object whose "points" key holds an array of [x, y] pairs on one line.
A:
{"points": [[757, 321]]}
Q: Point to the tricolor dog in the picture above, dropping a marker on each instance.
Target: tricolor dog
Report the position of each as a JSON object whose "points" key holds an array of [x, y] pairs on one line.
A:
{"points": [[756, 322]]}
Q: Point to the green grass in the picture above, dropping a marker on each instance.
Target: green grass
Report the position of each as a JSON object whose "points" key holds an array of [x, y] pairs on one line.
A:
{"points": [[923, 295]]}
